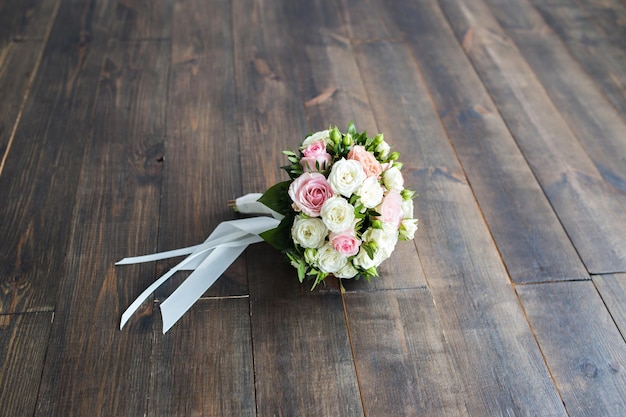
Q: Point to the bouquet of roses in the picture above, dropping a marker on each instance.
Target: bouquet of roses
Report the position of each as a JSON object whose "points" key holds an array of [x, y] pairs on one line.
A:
{"points": [[345, 206], [341, 212]]}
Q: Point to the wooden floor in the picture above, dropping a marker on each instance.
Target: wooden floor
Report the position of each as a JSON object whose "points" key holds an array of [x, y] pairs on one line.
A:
{"points": [[126, 126]]}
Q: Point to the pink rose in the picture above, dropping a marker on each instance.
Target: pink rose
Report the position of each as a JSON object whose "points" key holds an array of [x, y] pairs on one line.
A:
{"points": [[368, 161], [315, 149], [391, 209], [315, 156], [309, 192], [311, 163], [345, 243]]}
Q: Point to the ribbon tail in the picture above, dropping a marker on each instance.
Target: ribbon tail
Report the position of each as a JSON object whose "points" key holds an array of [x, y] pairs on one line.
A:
{"points": [[158, 256], [208, 260], [181, 300], [156, 284]]}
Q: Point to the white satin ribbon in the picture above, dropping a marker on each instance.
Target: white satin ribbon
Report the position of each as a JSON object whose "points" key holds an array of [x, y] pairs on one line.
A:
{"points": [[207, 260]]}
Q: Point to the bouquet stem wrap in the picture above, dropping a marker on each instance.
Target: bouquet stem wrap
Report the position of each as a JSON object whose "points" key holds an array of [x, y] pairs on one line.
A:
{"points": [[208, 260]]}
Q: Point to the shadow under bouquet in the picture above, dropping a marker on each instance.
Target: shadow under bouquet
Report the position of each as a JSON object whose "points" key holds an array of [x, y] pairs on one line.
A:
{"points": [[341, 213]]}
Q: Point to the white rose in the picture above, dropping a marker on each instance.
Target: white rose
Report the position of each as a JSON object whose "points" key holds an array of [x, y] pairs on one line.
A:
{"points": [[321, 135], [346, 176], [329, 260], [348, 271], [308, 232], [408, 229], [362, 259], [407, 209], [393, 179], [337, 214], [383, 148], [385, 238], [371, 192]]}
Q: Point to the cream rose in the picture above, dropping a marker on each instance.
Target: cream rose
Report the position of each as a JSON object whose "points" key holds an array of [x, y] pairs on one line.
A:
{"points": [[383, 149], [371, 192], [346, 176], [362, 259], [308, 232], [337, 214], [329, 260], [385, 238], [348, 271], [393, 180], [408, 229]]}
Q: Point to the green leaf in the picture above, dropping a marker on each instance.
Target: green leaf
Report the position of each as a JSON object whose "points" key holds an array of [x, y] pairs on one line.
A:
{"points": [[280, 237], [277, 198]]}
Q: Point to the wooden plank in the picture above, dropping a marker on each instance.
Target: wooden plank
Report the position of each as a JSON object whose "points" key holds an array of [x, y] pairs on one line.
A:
{"points": [[612, 289], [581, 344], [302, 356], [18, 62], [334, 94], [529, 236], [105, 371], [592, 215], [39, 180], [484, 325], [592, 118], [203, 365], [25, 20], [142, 20], [402, 356], [587, 41], [367, 20], [23, 343], [23, 28], [610, 15], [202, 166]]}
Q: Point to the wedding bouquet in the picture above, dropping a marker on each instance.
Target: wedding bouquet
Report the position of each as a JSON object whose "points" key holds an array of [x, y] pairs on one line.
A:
{"points": [[341, 212], [344, 206]]}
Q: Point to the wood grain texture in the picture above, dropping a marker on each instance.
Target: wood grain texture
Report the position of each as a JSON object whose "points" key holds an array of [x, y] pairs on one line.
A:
{"points": [[402, 356], [23, 345], [302, 357], [582, 346], [105, 371], [202, 171], [595, 122], [203, 365], [25, 20], [39, 178], [334, 93], [142, 20], [23, 29], [568, 176], [586, 40], [484, 325], [529, 235], [17, 66], [612, 289], [303, 362]]}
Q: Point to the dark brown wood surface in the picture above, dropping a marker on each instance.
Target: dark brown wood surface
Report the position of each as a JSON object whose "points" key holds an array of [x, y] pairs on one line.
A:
{"points": [[127, 125]]}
